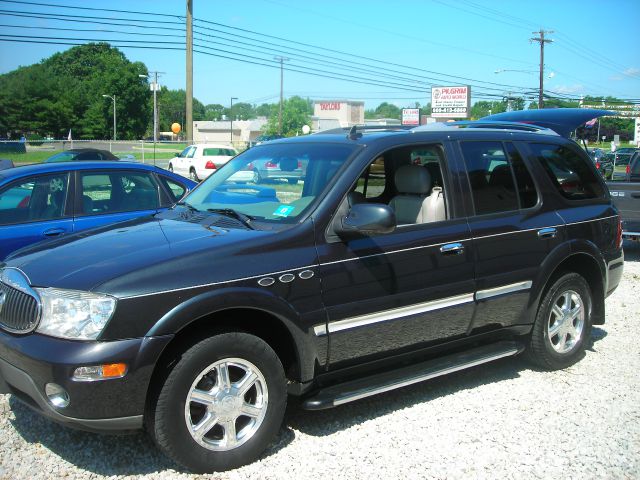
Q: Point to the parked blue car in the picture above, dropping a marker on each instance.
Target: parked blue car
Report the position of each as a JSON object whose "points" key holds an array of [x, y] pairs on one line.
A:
{"points": [[43, 201]]}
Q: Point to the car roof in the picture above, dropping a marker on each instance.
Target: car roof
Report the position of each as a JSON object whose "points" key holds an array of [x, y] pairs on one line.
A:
{"points": [[39, 168], [85, 150], [212, 145]]}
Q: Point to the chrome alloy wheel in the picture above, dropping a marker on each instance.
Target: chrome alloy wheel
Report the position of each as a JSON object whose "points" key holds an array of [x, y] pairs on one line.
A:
{"points": [[566, 321], [226, 404]]}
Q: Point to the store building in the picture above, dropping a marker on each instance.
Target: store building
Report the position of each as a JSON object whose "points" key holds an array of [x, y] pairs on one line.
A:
{"points": [[329, 114]]}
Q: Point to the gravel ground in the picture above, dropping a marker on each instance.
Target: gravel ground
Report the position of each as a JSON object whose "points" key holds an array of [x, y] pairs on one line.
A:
{"points": [[501, 420]]}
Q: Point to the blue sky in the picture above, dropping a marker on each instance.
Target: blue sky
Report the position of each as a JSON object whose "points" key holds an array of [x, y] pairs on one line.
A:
{"points": [[407, 46]]}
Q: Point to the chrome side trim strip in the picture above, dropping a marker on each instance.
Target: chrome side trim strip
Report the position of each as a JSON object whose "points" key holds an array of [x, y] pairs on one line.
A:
{"points": [[493, 292], [421, 378], [392, 314]]}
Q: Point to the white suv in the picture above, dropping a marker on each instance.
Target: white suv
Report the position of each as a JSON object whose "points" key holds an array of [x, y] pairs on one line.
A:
{"points": [[199, 161]]}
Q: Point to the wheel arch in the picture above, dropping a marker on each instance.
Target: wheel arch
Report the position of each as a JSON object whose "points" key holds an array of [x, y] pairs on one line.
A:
{"points": [[580, 257], [243, 310]]}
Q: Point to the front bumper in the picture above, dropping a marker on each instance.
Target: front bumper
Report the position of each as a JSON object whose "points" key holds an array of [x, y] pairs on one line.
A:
{"points": [[29, 362]]}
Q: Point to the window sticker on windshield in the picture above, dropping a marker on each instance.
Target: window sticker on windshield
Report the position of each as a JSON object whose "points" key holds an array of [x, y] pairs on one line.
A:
{"points": [[283, 211]]}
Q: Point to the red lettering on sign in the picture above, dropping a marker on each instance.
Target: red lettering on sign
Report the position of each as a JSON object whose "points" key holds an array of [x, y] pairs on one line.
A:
{"points": [[330, 106]]}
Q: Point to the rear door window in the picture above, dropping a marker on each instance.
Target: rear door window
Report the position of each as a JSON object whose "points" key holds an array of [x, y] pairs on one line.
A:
{"points": [[490, 177], [111, 192], [570, 173]]}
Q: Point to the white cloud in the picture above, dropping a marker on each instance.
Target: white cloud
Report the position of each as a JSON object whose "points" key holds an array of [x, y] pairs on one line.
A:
{"points": [[632, 72], [616, 78]]}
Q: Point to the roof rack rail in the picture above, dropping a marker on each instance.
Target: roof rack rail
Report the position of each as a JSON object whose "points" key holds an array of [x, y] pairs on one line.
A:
{"points": [[493, 124], [363, 128]]}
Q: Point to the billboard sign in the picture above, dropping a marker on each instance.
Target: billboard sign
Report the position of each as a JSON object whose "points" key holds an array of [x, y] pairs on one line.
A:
{"points": [[410, 116], [451, 102]]}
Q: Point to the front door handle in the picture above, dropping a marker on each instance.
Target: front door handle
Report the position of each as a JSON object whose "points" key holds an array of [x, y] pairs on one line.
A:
{"points": [[452, 249], [547, 232], [53, 232]]}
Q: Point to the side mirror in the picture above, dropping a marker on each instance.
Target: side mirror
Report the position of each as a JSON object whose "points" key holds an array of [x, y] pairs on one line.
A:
{"points": [[367, 219], [179, 154]]}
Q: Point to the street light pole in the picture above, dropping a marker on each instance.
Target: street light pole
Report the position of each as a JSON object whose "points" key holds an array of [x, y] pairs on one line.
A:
{"points": [[113, 98], [154, 87], [231, 117]]}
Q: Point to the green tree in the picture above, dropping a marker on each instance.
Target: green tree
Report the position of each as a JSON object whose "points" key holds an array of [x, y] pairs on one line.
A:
{"points": [[264, 110], [213, 111], [384, 110], [65, 92], [483, 108], [241, 111], [172, 107], [296, 112]]}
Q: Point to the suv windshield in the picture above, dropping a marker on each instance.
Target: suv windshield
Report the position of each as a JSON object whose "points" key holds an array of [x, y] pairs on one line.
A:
{"points": [[273, 183]]}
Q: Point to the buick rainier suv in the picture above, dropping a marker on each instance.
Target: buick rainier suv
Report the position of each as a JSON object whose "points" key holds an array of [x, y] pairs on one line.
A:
{"points": [[402, 255]]}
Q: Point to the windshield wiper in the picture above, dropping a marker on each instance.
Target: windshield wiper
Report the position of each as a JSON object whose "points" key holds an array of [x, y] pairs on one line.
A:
{"points": [[230, 212]]}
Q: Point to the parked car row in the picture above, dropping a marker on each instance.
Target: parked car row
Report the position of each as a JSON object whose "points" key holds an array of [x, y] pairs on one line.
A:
{"points": [[52, 200]]}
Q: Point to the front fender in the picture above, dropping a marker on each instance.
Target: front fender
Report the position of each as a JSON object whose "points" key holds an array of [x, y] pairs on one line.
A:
{"points": [[214, 303]]}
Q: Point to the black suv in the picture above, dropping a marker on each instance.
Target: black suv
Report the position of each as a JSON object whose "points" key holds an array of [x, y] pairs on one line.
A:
{"points": [[404, 255]]}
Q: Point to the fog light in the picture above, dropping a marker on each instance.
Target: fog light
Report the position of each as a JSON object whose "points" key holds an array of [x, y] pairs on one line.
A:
{"points": [[57, 395], [100, 372]]}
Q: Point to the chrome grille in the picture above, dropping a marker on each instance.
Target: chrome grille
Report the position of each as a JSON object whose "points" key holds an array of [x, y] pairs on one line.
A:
{"points": [[19, 309]]}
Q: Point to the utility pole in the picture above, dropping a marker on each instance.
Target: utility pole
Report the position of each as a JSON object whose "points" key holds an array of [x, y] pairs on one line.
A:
{"points": [[189, 110], [281, 60], [541, 40]]}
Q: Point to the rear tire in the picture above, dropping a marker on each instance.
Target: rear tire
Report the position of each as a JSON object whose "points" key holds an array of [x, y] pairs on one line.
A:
{"points": [[222, 404], [563, 324], [193, 175]]}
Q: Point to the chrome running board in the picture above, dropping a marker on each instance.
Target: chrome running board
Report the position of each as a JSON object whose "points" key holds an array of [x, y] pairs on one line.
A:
{"points": [[372, 385]]}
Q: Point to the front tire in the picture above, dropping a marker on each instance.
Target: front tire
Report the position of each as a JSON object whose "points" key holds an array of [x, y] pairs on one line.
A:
{"points": [[222, 404], [170, 168], [563, 324]]}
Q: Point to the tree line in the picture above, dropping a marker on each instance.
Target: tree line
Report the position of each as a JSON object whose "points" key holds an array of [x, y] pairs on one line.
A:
{"points": [[65, 93]]}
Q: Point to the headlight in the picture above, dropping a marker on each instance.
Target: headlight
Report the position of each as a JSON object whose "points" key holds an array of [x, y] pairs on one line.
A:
{"points": [[73, 314]]}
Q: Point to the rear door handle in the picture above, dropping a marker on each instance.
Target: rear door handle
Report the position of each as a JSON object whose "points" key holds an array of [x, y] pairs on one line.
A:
{"points": [[547, 232], [452, 249], [53, 232]]}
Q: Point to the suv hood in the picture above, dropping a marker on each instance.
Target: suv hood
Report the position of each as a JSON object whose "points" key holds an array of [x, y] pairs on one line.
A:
{"points": [[148, 251], [563, 121]]}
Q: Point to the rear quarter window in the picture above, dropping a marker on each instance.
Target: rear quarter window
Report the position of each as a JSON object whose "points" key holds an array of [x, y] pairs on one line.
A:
{"points": [[571, 174]]}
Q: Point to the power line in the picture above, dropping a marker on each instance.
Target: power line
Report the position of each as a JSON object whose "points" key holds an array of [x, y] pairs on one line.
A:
{"points": [[88, 18], [311, 57]]}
